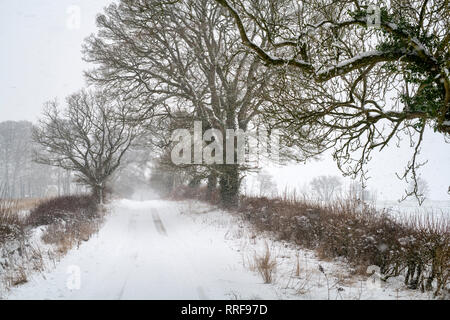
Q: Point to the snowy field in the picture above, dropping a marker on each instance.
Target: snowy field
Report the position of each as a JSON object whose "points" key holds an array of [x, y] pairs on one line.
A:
{"points": [[406, 209], [158, 249], [432, 212]]}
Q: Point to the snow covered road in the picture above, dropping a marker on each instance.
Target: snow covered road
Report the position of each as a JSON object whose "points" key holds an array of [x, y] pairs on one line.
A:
{"points": [[149, 250]]}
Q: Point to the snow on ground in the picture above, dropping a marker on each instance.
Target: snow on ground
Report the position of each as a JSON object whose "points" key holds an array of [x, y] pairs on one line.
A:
{"points": [[336, 282], [158, 249], [149, 250]]}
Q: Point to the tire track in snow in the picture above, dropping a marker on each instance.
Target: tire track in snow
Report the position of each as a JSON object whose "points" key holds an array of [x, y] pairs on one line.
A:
{"points": [[159, 225], [158, 222], [132, 227], [134, 258]]}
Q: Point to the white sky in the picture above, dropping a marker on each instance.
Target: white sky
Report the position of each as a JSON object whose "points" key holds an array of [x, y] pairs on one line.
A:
{"points": [[40, 57], [382, 169], [40, 60]]}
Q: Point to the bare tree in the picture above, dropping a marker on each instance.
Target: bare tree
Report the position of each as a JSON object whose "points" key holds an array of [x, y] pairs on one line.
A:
{"points": [[326, 187], [186, 56], [358, 192], [20, 177], [357, 76], [267, 186], [90, 137], [419, 188]]}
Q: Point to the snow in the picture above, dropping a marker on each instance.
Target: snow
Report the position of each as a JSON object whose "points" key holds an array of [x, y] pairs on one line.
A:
{"points": [[157, 249], [409, 210], [352, 60], [131, 258]]}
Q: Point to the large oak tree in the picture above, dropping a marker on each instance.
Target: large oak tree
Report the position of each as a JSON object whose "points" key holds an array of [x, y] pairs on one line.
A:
{"points": [[89, 137], [358, 76], [176, 57]]}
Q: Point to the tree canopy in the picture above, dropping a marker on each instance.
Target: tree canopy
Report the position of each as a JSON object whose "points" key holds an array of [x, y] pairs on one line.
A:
{"points": [[89, 137], [357, 75]]}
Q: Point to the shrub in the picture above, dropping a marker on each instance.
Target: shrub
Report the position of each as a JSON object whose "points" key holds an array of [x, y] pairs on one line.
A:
{"points": [[266, 265], [66, 208], [363, 236], [418, 249], [11, 227], [201, 193]]}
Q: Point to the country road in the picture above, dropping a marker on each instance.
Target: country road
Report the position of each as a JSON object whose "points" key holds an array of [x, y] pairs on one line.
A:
{"points": [[149, 250]]}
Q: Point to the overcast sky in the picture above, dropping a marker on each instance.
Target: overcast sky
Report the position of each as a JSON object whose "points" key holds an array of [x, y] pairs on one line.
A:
{"points": [[40, 57], [40, 60]]}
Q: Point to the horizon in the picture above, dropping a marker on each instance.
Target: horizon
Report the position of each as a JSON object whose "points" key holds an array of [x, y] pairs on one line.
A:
{"points": [[43, 61]]}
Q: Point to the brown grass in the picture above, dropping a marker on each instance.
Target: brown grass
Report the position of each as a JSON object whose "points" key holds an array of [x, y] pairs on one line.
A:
{"points": [[27, 204], [266, 265], [418, 249], [70, 220], [11, 226], [17, 277], [69, 235]]}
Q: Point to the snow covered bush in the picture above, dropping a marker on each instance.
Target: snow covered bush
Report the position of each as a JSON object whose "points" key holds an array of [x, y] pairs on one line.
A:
{"points": [[66, 208], [201, 193], [11, 227], [68, 220], [266, 265], [418, 252], [63, 222]]}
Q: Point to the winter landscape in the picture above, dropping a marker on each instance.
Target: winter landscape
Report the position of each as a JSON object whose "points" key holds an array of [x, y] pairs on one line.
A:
{"points": [[225, 150]]}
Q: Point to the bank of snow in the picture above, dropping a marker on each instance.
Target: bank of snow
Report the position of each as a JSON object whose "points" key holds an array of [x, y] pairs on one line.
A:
{"points": [[188, 250]]}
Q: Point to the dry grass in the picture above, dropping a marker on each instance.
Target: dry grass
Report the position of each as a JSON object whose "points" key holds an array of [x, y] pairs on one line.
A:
{"points": [[12, 230], [16, 277], [10, 209], [11, 226], [27, 204], [68, 220], [266, 265], [416, 248], [66, 236], [297, 267]]}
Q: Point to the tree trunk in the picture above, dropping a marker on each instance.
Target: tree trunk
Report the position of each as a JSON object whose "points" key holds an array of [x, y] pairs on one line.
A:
{"points": [[229, 185], [211, 185], [99, 193], [194, 182]]}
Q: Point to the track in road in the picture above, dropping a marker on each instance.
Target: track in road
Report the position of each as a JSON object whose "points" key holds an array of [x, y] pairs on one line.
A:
{"points": [[148, 250]]}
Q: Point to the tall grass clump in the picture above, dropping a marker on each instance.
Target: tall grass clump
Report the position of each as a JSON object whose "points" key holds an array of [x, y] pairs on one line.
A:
{"points": [[66, 222], [69, 220], [11, 226], [65, 208], [266, 265]]}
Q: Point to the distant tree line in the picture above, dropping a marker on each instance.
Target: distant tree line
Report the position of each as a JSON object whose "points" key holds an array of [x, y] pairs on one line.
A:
{"points": [[20, 176]]}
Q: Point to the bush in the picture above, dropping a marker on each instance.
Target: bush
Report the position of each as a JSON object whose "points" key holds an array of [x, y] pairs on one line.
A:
{"points": [[201, 193], [66, 208], [266, 265], [419, 250], [11, 227]]}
